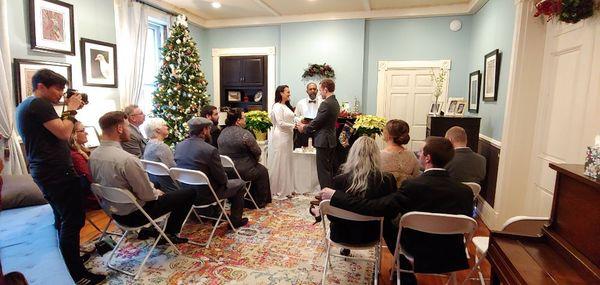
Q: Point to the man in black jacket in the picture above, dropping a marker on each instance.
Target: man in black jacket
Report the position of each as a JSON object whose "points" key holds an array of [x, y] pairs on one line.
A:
{"points": [[433, 191]]}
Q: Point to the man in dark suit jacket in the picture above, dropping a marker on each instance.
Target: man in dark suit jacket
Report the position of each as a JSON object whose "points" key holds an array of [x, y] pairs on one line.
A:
{"points": [[137, 144], [196, 154], [466, 166], [433, 191], [323, 128]]}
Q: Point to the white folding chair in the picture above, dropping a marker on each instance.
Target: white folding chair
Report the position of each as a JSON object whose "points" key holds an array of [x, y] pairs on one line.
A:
{"points": [[433, 223], [121, 196], [327, 209], [475, 187], [155, 168], [227, 162], [521, 225], [196, 177]]}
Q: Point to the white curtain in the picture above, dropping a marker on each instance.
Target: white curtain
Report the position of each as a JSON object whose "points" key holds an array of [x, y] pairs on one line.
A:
{"points": [[15, 163], [132, 26]]}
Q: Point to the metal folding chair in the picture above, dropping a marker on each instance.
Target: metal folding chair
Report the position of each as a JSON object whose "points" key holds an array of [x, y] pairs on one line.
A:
{"points": [[227, 162], [121, 196], [196, 177], [326, 209], [433, 223]]}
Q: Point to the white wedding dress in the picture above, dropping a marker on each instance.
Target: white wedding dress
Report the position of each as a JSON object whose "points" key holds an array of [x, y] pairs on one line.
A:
{"points": [[281, 143]]}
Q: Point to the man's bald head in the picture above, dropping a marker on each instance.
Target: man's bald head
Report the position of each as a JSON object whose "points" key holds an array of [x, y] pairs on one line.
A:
{"points": [[457, 136]]}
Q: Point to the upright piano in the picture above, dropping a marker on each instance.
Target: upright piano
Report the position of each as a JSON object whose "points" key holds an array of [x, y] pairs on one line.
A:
{"points": [[568, 251]]}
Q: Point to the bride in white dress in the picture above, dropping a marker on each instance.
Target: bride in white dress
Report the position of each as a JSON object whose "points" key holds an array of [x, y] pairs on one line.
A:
{"points": [[281, 143]]}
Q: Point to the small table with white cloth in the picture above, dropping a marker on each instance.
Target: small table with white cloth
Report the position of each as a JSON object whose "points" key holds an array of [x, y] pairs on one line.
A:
{"points": [[304, 168]]}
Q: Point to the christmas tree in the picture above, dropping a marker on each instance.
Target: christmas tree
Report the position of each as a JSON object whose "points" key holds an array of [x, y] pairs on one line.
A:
{"points": [[181, 88]]}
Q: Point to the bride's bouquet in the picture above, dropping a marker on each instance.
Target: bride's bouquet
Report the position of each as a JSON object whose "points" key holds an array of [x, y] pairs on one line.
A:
{"points": [[369, 125]]}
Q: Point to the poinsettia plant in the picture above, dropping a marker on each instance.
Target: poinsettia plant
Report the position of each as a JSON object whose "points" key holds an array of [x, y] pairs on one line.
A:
{"points": [[568, 11], [258, 121], [368, 125], [323, 70]]}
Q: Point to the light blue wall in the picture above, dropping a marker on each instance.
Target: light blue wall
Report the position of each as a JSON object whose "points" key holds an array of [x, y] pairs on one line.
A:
{"points": [[338, 43], [233, 38], [94, 19], [416, 39], [493, 28]]}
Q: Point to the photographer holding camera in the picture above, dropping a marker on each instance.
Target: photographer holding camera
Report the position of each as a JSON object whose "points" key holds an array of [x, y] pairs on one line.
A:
{"points": [[46, 136]]}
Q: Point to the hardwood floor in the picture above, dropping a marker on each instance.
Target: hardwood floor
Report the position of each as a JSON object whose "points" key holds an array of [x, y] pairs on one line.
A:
{"points": [[89, 233]]}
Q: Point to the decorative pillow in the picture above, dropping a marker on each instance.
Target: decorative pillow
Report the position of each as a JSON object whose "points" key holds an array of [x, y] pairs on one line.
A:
{"points": [[20, 191]]}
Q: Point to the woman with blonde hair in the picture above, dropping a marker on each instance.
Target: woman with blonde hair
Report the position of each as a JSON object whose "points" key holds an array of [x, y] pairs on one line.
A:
{"points": [[361, 176], [80, 155], [395, 158]]}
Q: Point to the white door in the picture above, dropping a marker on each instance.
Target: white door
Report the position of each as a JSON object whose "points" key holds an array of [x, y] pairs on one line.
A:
{"points": [[408, 97], [567, 118]]}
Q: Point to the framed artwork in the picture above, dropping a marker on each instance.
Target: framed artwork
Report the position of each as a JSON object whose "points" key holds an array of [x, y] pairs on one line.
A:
{"points": [[491, 74], [51, 26], [474, 91], [92, 136], [453, 105], [234, 96], [24, 70], [435, 108], [460, 109], [98, 63]]}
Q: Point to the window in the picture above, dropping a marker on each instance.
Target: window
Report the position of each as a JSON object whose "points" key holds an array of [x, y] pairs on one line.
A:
{"points": [[157, 32]]}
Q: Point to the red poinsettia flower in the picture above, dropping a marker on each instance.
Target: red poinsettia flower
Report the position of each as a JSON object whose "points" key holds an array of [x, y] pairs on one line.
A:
{"points": [[548, 8]]}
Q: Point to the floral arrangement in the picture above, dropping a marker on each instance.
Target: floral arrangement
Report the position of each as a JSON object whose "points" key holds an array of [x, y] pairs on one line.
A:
{"points": [[568, 11], [439, 82], [323, 70], [258, 121], [368, 125]]}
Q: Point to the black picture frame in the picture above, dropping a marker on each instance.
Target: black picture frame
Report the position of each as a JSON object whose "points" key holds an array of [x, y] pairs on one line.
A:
{"points": [[48, 26], [491, 76], [94, 74], [474, 91], [25, 68]]}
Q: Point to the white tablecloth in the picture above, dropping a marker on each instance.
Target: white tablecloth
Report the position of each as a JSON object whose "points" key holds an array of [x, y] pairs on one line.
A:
{"points": [[304, 165]]}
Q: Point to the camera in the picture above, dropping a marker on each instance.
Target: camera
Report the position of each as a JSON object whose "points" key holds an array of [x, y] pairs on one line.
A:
{"points": [[84, 96]]}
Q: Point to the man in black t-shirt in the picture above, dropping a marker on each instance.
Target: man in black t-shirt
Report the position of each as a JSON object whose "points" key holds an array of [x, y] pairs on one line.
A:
{"points": [[45, 136]]}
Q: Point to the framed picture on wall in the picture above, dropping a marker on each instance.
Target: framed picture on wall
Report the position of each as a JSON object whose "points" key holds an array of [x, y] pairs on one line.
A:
{"points": [[98, 63], [474, 91], [491, 74], [51, 26], [24, 70]]}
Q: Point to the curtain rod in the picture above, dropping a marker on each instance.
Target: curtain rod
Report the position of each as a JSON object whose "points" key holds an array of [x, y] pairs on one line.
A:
{"points": [[157, 8]]}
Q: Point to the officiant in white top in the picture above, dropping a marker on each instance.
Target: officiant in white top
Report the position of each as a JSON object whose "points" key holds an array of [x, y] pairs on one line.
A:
{"points": [[307, 109]]}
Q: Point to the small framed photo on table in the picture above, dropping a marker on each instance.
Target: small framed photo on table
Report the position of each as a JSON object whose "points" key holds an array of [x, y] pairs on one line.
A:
{"points": [[51, 26], [435, 108], [24, 69], [453, 105], [98, 63], [460, 109]]}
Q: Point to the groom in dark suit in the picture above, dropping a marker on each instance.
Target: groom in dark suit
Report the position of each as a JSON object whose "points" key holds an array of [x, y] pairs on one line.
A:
{"points": [[323, 130], [434, 191]]}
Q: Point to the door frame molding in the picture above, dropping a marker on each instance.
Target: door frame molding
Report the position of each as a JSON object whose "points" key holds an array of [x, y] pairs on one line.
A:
{"points": [[384, 66], [217, 53]]}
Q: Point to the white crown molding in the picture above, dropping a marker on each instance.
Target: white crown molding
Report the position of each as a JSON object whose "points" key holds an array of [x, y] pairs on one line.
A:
{"points": [[266, 6], [367, 5], [415, 12], [216, 52]]}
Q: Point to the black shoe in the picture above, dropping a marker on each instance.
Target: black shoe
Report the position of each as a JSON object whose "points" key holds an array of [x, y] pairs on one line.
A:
{"points": [[85, 257], [240, 223], [90, 278], [174, 239], [147, 233], [345, 251]]}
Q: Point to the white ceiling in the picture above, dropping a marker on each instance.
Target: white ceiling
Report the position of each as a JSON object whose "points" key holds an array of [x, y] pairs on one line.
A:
{"points": [[261, 12]]}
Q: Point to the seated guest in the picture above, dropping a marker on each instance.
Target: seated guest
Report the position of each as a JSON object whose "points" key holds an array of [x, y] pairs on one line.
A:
{"points": [[196, 154], [156, 150], [466, 166], [360, 176], [137, 143], [241, 146], [212, 113], [113, 167], [395, 158], [80, 156], [433, 191]]}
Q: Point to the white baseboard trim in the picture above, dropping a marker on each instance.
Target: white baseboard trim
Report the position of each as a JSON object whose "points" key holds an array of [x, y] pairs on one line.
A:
{"points": [[488, 215], [494, 142]]}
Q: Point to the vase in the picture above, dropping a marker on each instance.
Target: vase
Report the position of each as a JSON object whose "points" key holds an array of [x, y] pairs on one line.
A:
{"points": [[260, 136]]}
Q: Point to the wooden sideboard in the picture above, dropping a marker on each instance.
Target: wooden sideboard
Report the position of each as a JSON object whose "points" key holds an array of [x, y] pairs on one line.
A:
{"points": [[568, 252], [438, 125]]}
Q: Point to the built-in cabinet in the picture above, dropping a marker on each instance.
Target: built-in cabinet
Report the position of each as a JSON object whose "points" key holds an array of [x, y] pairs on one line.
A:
{"points": [[244, 82]]}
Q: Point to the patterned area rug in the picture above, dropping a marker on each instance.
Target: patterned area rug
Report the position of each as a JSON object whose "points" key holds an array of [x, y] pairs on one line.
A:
{"points": [[280, 245]]}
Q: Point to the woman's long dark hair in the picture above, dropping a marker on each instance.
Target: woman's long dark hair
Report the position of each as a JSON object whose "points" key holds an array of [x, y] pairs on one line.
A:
{"points": [[279, 98]]}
